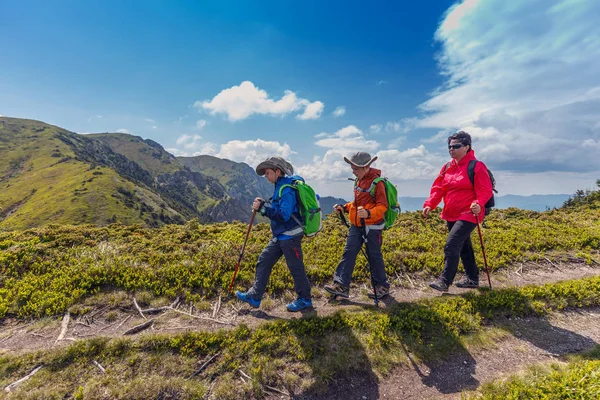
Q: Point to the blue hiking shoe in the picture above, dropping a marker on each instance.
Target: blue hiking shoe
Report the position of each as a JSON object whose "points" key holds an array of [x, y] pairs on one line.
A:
{"points": [[247, 298], [299, 305]]}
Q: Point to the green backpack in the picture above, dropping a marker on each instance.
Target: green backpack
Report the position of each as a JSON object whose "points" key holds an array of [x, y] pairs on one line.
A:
{"points": [[309, 206], [391, 193]]}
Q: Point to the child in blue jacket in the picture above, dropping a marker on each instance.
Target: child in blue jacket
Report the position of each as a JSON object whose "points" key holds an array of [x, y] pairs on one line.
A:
{"points": [[287, 236]]}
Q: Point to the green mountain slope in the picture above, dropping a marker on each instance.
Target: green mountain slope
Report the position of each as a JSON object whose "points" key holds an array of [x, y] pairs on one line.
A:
{"points": [[51, 175]]}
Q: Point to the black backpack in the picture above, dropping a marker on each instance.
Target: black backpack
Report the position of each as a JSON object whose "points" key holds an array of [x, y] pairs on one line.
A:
{"points": [[471, 172]]}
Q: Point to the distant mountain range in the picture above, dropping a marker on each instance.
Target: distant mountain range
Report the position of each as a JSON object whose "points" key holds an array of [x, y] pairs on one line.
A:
{"points": [[50, 175]]}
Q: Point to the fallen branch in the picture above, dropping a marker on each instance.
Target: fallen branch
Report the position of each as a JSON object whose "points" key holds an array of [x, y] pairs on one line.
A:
{"points": [[217, 307], [92, 315], [64, 326], [271, 388], [410, 280], [23, 379], [245, 375], [160, 309], [139, 328], [277, 390], [100, 367], [137, 307], [205, 365], [122, 322], [155, 310], [82, 323], [551, 263], [200, 317]]}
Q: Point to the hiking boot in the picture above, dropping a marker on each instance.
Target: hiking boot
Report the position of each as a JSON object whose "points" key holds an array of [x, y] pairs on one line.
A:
{"points": [[247, 298], [299, 305], [467, 282], [381, 291], [337, 289], [439, 284]]}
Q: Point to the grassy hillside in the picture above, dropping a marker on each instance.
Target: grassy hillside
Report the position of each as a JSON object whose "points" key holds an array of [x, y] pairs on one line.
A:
{"points": [[146, 153], [195, 260], [50, 175], [45, 179]]}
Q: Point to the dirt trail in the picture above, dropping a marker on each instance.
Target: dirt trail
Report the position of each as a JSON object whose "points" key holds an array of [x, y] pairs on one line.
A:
{"points": [[229, 313], [531, 341]]}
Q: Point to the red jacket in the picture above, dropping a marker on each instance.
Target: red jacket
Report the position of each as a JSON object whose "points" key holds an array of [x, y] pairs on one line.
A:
{"points": [[377, 206], [454, 187]]}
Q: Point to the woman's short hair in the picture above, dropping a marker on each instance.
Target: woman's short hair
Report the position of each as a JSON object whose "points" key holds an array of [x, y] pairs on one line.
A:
{"points": [[462, 137]]}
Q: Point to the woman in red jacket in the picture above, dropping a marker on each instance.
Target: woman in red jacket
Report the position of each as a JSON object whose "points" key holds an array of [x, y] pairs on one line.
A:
{"points": [[463, 201]]}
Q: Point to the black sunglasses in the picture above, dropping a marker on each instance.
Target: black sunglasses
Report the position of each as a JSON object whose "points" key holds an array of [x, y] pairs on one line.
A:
{"points": [[456, 146]]}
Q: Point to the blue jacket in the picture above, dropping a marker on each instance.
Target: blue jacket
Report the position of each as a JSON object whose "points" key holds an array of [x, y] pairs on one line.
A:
{"points": [[280, 209]]}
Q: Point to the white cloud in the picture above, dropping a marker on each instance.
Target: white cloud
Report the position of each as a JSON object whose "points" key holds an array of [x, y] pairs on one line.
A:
{"points": [[252, 152], [379, 83], [521, 77], [189, 142], [347, 140], [240, 102], [201, 123], [339, 111], [154, 126], [123, 130], [150, 120], [312, 111]]}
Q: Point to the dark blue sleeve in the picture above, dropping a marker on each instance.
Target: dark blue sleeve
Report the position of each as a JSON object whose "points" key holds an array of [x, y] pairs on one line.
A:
{"points": [[287, 204]]}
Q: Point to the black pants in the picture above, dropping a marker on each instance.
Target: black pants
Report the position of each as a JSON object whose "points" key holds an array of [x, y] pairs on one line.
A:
{"points": [[458, 245]]}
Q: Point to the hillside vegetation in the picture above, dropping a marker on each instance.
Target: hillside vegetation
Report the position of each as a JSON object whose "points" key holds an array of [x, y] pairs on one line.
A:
{"points": [[50, 175]]}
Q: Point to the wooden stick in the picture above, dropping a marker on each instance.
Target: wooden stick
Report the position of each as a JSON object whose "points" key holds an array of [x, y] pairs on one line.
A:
{"points": [[277, 390], [64, 326], [122, 322], [205, 364], [199, 317], [244, 374], [155, 310], [217, 306], [139, 328], [100, 367], [92, 315], [137, 307], [23, 379]]}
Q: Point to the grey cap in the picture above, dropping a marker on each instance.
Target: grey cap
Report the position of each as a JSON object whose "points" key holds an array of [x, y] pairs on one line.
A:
{"points": [[361, 159], [275, 163]]}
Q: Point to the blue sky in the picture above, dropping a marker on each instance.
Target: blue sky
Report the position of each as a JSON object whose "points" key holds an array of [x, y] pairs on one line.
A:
{"points": [[315, 81]]}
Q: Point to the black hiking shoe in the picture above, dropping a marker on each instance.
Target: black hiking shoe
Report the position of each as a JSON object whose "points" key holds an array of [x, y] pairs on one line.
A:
{"points": [[468, 283], [339, 290], [381, 291], [439, 284]]}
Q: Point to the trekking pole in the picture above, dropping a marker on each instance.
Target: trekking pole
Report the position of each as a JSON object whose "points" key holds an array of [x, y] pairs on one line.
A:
{"points": [[483, 251], [364, 235], [344, 220], [237, 266]]}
